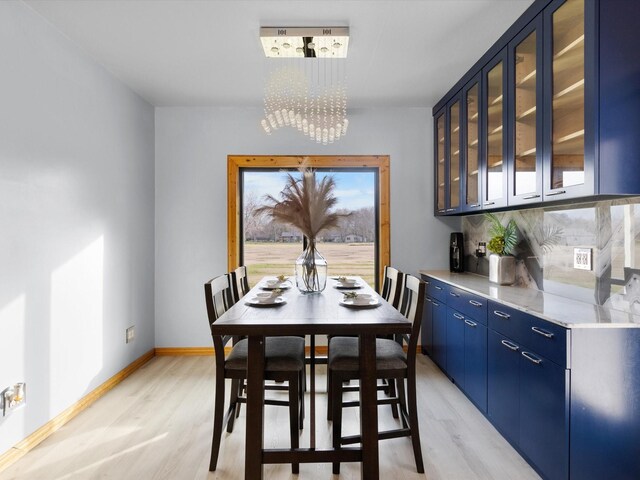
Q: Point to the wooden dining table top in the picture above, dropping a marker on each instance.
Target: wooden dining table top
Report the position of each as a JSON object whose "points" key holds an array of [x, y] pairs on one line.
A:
{"points": [[318, 313]]}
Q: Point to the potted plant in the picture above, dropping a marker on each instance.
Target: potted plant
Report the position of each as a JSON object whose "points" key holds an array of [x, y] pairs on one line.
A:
{"points": [[502, 266]]}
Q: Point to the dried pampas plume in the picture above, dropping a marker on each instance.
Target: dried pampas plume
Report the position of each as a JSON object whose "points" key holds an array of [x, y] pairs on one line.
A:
{"points": [[305, 204]]}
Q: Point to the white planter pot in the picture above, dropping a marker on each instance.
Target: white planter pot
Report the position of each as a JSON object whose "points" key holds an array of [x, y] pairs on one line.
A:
{"points": [[502, 270]]}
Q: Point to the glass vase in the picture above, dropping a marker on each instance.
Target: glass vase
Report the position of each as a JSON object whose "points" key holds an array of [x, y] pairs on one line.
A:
{"points": [[311, 270]]}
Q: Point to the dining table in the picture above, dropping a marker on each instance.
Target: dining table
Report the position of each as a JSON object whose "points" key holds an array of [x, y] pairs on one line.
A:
{"points": [[310, 314]]}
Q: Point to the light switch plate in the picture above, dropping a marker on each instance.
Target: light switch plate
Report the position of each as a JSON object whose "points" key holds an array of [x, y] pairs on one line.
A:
{"points": [[582, 258]]}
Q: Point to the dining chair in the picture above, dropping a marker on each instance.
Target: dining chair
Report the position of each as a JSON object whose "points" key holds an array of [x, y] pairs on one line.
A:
{"points": [[239, 282], [284, 362], [392, 286], [391, 363]]}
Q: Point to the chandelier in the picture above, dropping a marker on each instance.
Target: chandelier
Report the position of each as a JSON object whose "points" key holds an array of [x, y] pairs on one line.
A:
{"points": [[306, 89]]}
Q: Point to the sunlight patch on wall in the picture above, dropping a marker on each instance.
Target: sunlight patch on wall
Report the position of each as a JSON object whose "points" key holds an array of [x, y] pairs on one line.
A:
{"points": [[76, 339]]}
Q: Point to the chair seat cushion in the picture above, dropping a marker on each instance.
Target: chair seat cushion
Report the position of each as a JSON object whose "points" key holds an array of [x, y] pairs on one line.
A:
{"points": [[343, 354], [282, 354]]}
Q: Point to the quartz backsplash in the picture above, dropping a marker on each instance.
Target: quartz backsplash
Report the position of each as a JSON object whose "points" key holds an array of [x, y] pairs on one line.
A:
{"points": [[547, 238]]}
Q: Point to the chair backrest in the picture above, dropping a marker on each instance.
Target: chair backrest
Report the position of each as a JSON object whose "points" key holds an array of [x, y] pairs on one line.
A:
{"points": [[412, 307], [240, 282], [392, 285], [218, 294]]}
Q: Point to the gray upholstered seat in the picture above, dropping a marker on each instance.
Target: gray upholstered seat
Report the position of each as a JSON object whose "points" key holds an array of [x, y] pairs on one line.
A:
{"points": [[343, 355], [284, 354]]}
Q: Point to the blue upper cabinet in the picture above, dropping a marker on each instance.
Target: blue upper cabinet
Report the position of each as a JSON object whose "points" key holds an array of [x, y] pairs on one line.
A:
{"points": [[559, 103], [525, 115], [439, 155], [453, 161]]}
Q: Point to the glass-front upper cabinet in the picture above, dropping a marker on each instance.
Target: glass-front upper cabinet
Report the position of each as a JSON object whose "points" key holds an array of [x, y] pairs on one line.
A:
{"points": [[565, 166], [439, 155], [455, 134], [525, 120], [494, 120], [472, 186]]}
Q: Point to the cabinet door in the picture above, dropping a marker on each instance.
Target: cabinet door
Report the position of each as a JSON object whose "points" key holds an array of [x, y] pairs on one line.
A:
{"points": [[525, 120], [426, 338], [544, 414], [475, 362], [439, 328], [494, 82], [453, 164], [455, 346], [568, 172], [471, 167], [439, 155], [503, 385]]}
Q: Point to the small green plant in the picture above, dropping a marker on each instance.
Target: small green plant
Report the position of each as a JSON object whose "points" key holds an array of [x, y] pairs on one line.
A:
{"points": [[351, 295], [503, 239]]}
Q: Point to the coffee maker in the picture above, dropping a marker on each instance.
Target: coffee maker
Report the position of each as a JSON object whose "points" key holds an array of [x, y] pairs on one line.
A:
{"points": [[456, 252]]}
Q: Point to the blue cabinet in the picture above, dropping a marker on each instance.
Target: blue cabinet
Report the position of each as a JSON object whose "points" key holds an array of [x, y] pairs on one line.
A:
{"points": [[439, 329], [426, 334], [503, 385], [475, 362], [559, 109], [455, 346]]}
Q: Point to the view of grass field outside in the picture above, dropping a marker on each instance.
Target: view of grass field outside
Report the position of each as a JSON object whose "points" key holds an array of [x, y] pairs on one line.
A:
{"points": [[270, 248]]}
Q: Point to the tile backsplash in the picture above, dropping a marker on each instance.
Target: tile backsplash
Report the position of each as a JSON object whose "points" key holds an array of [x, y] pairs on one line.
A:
{"points": [[547, 238]]}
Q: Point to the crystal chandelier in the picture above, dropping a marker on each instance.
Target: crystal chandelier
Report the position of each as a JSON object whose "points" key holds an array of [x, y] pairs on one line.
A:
{"points": [[306, 91]]}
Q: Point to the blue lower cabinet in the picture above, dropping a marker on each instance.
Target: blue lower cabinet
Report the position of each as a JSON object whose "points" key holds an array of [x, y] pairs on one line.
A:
{"points": [[426, 334], [455, 346], [544, 414], [475, 362], [503, 385], [439, 330]]}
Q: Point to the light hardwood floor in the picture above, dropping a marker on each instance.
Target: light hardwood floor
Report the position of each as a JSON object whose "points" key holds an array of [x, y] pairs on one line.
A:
{"points": [[157, 425]]}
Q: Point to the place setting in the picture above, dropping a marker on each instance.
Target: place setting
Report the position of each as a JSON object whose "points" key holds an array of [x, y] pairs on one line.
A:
{"points": [[359, 300], [281, 282], [347, 283], [273, 298]]}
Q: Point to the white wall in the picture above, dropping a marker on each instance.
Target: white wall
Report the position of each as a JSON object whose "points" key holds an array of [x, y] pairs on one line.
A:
{"points": [[192, 145], [76, 221]]}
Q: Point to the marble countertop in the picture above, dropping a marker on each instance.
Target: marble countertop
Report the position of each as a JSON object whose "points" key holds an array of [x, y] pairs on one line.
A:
{"points": [[554, 308]]}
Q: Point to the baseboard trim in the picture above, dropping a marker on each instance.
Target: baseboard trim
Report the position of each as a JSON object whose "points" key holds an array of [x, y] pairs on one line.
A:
{"points": [[22, 447], [185, 351]]}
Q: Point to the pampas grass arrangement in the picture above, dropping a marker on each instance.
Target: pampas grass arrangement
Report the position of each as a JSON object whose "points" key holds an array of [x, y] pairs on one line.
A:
{"points": [[307, 205]]}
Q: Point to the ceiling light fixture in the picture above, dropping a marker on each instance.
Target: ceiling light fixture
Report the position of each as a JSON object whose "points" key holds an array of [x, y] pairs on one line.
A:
{"points": [[306, 91]]}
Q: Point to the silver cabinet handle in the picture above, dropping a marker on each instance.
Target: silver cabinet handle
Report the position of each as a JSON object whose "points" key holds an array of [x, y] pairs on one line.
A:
{"points": [[450, 209], [509, 345], [530, 197], [427, 299], [437, 287], [544, 333], [427, 282], [458, 316], [531, 358], [501, 314], [435, 304], [453, 294], [475, 205], [475, 304], [470, 323], [559, 192], [489, 203]]}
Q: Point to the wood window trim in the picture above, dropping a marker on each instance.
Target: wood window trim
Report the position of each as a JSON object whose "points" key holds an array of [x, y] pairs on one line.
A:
{"points": [[236, 162]]}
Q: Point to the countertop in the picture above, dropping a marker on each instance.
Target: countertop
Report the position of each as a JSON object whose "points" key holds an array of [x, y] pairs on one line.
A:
{"points": [[553, 308]]}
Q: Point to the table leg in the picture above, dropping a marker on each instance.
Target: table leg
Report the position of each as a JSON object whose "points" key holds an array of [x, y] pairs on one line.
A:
{"points": [[312, 392], [254, 442], [368, 407]]}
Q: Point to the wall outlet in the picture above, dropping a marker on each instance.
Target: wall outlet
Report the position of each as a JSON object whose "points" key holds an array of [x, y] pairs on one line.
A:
{"points": [[130, 334], [582, 258], [12, 397]]}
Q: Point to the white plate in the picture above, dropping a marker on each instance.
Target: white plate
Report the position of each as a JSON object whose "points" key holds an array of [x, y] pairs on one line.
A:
{"points": [[283, 286], [260, 302], [350, 286], [373, 302]]}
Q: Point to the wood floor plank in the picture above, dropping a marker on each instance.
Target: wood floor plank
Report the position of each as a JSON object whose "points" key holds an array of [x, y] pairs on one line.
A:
{"points": [[157, 425]]}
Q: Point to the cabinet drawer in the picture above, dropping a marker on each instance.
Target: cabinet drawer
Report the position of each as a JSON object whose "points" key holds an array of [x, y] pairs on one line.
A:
{"points": [[545, 338], [505, 320], [467, 303], [437, 289]]}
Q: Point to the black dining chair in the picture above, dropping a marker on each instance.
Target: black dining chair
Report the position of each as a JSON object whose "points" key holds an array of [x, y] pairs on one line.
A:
{"points": [[391, 363], [239, 282], [392, 286], [284, 358]]}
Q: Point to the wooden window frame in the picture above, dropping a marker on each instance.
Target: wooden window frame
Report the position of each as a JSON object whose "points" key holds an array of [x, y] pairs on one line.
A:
{"points": [[236, 162]]}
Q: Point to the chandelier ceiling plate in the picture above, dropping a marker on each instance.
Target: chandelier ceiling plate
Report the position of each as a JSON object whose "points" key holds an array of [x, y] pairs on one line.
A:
{"points": [[305, 42]]}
